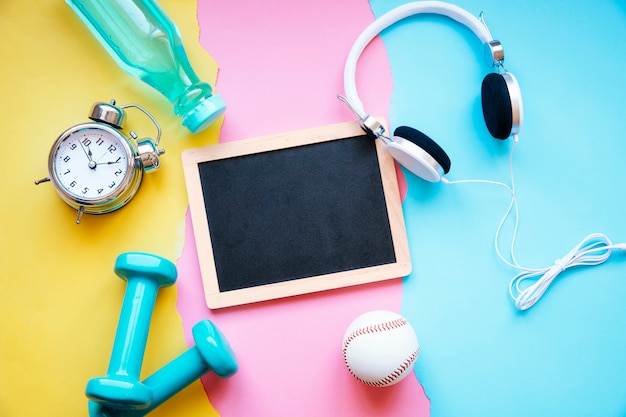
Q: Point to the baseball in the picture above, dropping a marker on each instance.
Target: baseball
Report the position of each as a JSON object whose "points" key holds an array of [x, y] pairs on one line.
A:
{"points": [[380, 348]]}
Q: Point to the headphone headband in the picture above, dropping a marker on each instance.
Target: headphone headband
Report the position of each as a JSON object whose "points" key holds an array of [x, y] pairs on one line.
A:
{"points": [[462, 16]]}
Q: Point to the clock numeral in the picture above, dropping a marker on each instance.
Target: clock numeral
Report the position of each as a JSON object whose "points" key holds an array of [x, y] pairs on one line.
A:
{"points": [[112, 185], [73, 146], [73, 184], [67, 158], [100, 141], [112, 148], [100, 190], [118, 172], [86, 141], [85, 190], [67, 172]]}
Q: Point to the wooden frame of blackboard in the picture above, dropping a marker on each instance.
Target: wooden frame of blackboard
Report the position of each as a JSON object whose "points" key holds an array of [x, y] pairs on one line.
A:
{"points": [[398, 266]]}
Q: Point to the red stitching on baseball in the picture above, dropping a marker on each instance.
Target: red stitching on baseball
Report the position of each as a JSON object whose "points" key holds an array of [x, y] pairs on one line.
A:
{"points": [[388, 325], [395, 374]]}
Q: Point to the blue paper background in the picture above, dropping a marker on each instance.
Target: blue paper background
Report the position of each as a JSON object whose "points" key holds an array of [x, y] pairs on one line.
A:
{"points": [[479, 356]]}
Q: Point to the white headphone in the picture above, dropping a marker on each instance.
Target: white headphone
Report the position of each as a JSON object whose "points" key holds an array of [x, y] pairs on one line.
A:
{"points": [[502, 110], [501, 96]]}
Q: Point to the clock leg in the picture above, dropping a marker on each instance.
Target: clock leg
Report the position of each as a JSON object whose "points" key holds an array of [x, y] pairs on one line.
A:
{"points": [[81, 210]]}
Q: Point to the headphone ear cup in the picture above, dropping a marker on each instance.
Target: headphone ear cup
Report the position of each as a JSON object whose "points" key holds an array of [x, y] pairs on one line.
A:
{"points": [[419, 154], [497, 106]]}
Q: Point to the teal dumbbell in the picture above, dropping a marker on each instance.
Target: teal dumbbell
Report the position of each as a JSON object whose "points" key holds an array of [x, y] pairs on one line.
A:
{"points": [[211, 353], [121, 388]]}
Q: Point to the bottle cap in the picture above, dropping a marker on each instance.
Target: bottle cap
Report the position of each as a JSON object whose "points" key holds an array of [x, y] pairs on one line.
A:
{"points": [[204, 114]]}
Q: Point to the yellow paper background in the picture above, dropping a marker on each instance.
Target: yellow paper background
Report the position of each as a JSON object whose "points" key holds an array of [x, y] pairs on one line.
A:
{"points": [[60, 299]]}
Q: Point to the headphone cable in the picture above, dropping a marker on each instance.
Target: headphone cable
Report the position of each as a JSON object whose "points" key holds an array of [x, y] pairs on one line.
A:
{"points": [[527, 287]]}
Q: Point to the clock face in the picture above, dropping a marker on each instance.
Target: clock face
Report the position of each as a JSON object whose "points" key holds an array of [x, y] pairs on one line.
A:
{"points": [[92, 162]]}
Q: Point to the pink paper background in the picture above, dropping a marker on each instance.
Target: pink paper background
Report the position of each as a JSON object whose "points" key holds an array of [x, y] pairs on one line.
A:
{"points": [[281, 68]]}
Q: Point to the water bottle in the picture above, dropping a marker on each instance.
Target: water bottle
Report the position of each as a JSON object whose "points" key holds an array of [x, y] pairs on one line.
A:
{"points": [[145, 42]]}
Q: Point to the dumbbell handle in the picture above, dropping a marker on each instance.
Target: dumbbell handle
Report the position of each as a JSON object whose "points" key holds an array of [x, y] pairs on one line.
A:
{"points": [[132, 329]]}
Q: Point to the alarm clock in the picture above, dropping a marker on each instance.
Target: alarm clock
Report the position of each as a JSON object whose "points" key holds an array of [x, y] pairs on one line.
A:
{"points": [[94, 167]]}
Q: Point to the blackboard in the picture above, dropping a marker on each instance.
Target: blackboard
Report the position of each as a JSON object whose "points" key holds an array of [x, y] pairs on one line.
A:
{"points": [[294, 213]]}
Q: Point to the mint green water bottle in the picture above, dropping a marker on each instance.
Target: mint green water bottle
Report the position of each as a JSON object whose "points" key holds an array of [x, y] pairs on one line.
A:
{"points": [[145, 42]]}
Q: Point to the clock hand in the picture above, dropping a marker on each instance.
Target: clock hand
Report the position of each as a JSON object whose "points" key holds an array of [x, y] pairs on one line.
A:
{"points": [[101, 156], [89, 154], [117, 161], [92, 163]]}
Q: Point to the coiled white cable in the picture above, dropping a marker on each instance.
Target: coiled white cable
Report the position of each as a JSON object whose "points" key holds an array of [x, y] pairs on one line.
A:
{"points": [[594, 249]]}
